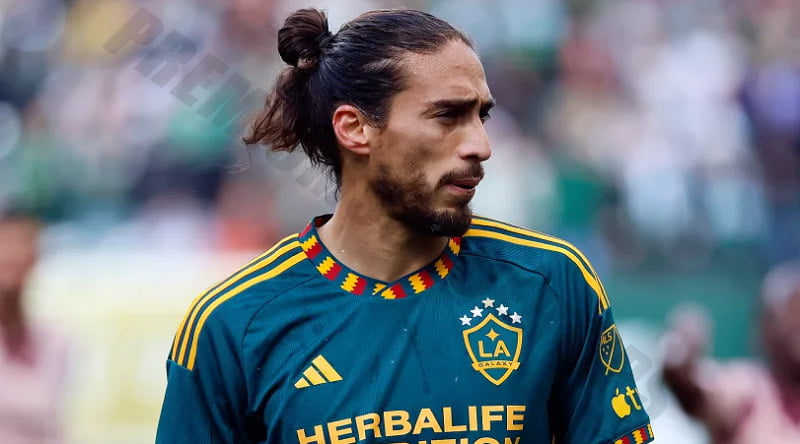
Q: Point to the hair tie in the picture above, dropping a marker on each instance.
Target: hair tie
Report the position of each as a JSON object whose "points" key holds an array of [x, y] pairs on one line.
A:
{"points": [[324, 40]]}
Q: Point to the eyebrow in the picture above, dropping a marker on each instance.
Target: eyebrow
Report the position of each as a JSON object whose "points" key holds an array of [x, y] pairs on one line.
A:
{"points": [[459, 104]]}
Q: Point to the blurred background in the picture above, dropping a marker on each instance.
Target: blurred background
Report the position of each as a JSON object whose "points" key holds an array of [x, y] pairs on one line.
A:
{"points": [[662, 137]]}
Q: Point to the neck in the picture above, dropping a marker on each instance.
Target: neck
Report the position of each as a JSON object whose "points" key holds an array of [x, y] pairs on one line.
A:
{"points": [[788, 380], [788, 385], [13, 325], [366, 239]]}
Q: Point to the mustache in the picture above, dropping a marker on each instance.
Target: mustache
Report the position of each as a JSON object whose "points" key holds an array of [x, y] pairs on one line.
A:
{"points": [[474, 170]]}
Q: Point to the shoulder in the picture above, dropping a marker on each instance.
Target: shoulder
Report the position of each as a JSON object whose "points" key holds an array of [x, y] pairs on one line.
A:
{"points": [[741, 375], [735, 388], [225, 308], [559, 262]]}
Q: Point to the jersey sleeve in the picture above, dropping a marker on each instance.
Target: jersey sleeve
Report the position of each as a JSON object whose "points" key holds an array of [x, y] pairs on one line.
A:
{"points": [[595, 400], [206, 397]]}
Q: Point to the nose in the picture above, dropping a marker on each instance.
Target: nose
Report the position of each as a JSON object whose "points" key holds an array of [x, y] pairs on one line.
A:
{"points": [[476, 144]]}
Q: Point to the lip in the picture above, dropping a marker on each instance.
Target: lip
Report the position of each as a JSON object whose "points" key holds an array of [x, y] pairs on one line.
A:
{"points": [[471, 183], [461, 191]]}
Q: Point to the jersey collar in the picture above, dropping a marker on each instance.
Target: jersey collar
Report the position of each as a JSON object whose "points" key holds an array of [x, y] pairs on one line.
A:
{"points": [[351, 281]]}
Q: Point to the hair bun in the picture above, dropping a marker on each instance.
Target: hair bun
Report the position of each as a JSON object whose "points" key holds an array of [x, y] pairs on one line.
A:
{"points": [[303, 35]]}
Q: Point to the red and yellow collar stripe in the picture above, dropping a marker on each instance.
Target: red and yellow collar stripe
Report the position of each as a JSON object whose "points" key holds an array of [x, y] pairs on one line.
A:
{"points": [[639, 436], [352, 282]]}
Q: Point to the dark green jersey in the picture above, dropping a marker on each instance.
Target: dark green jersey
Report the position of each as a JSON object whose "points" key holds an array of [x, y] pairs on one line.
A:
{"points": [[506, 338]]}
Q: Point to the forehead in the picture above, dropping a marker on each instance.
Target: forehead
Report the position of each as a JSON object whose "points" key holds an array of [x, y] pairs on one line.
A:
{"points": [[454, 72]]}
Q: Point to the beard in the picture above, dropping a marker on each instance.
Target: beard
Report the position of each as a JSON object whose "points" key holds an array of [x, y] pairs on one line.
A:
{"points": [[409, 200]]}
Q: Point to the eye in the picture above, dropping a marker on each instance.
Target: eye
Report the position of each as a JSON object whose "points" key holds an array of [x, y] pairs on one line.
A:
{"points": [[447, 116], [485, 116]]}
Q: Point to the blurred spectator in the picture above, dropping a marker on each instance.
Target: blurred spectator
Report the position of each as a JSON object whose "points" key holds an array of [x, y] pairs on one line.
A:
{"points": [[33, 359], [742, 402], [771, 94], [674, 125], [659, 136]]}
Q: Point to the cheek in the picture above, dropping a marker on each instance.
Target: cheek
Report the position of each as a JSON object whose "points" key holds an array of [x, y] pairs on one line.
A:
{"points": [[417, 148], [404, 153], [787, 332], [13, 275], [420, 136], [424, 167]]}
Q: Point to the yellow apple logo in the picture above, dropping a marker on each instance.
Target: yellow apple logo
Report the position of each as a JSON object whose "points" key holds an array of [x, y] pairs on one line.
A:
{"points": [[620, 405]]}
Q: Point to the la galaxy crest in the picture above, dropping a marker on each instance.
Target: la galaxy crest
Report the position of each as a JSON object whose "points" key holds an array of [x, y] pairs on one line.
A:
{"points": [[612, 352], [492, 341]]}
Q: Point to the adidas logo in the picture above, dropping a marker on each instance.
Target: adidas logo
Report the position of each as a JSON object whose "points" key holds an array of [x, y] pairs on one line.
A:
{"points": [[319, 372]]}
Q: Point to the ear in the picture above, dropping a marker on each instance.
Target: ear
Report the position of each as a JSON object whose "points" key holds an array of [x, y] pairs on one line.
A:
{"points": [[350, 127]]}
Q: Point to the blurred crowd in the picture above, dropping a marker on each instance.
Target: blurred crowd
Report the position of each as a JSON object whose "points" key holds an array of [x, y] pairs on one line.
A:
{"points": [[639, 129], [654, 134]]}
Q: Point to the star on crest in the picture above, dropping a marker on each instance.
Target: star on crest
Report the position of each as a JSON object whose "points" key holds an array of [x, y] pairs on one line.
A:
{"points": [[465, 320], [488, 303], [492, 334], [516, 319], [476, 312], [502, 310]]}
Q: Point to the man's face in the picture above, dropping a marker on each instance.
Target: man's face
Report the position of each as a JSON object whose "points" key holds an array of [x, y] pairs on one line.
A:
{"points": [[18, 253], [426, 162]]}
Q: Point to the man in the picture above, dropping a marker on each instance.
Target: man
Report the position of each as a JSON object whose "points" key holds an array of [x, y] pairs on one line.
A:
{"points": [[743, 402], [402, 317], [33, 359]]}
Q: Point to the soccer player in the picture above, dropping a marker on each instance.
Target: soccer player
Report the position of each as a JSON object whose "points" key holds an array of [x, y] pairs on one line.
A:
{"points": [[744, 402], [402, 317]]}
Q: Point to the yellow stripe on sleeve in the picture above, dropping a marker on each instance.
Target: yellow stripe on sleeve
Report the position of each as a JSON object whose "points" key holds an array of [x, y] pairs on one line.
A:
{"points": [[590, 279], [478, 220], [285, 265], [269, 260], [195, 305]]}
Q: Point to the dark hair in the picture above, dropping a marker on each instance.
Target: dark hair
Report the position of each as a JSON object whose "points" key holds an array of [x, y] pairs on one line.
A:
{"points": [[359, 65], [14, 213]]}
